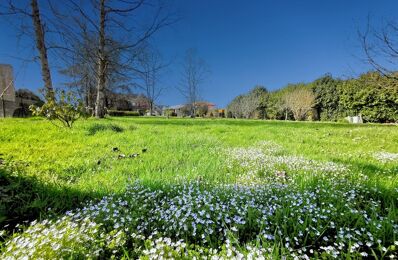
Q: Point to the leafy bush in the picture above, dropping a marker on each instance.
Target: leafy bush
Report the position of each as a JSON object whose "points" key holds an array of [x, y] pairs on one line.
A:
{"points": [[123, 113], [63, 112], [373, 96]]}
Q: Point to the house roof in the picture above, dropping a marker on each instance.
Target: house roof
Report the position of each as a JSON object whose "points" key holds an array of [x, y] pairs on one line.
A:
{"points": [[176, 107], [204, 103], [199, 103]]}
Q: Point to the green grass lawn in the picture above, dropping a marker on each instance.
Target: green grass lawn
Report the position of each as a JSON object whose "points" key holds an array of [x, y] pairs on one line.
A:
{"points": [[348, 173]]}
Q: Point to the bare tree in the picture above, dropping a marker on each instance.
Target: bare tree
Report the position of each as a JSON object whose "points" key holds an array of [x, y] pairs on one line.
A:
{"points": [[82, 70], [380, 47], [300, 101], [41, 47], [151, 66], [249, 105], [194, 73], [11, 8], [103, 17], [234, 108], [102, 63]]}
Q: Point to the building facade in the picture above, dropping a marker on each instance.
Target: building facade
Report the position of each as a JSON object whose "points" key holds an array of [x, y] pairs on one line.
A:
{"points": [[7, 91]]}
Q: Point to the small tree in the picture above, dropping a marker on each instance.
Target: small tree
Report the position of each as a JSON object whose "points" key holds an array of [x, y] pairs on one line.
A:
{"points": [[251, 105], [300, 101], [63, 112]]}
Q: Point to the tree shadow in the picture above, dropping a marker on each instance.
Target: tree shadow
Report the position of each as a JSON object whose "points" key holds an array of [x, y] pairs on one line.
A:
{"points": [[369, 168], [24, 198], [95, 128], [379, 177]]}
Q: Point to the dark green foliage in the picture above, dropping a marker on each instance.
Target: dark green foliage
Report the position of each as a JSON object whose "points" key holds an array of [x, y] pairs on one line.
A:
{"points": [[373, 96], [95, 128], [260, 94], [123, 113], [327, 95]]}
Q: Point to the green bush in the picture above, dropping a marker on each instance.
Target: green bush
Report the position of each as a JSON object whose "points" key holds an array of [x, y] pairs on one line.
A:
{"points": [[62, 112], [123, 113]]}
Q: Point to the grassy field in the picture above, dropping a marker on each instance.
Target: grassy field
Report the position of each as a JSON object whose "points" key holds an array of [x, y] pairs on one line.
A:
{"points": [[144, 187]]}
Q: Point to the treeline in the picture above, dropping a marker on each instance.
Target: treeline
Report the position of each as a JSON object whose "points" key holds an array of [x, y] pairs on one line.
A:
{"points": [[371, 95]]}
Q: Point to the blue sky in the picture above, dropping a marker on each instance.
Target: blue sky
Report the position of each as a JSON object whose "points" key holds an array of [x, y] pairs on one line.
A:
{"points": [[245, 43]]}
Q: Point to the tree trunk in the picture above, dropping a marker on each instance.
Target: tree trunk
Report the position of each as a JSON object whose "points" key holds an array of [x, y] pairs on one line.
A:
{"points": [[41, 47], [101, 74], [193, 108], [150, 108], [86, 94], [3, 106]]}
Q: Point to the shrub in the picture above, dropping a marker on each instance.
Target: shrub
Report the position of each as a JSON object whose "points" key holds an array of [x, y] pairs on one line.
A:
{"points": [[65, 111], [123, 113]]}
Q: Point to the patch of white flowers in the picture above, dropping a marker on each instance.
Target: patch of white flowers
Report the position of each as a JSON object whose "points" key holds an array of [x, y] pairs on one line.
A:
{"points": [[223, 222], [385, 157], [264, 163]]}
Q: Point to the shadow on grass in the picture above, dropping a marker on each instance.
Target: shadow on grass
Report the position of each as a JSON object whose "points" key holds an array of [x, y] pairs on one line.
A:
{"points": [[369, 168], [378, 177], [95, 128], [25, 198]]}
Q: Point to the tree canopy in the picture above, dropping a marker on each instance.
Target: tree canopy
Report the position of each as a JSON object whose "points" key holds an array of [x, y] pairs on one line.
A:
{"points": [[372, 95]]}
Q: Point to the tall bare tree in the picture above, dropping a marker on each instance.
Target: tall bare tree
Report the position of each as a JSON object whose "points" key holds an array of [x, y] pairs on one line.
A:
{"points": [[102, 63], [82, 70], [129, 23], [41, 47], [15, 8], [194, 73], [151, 65], [125, 22]]}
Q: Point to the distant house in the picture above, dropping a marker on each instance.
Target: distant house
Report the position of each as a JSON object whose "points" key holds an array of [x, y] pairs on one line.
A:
{"points": [[157, 110], [208, 105], [14, 102], [127, 102], [201, 108], [24, 98], [177, 110]]}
